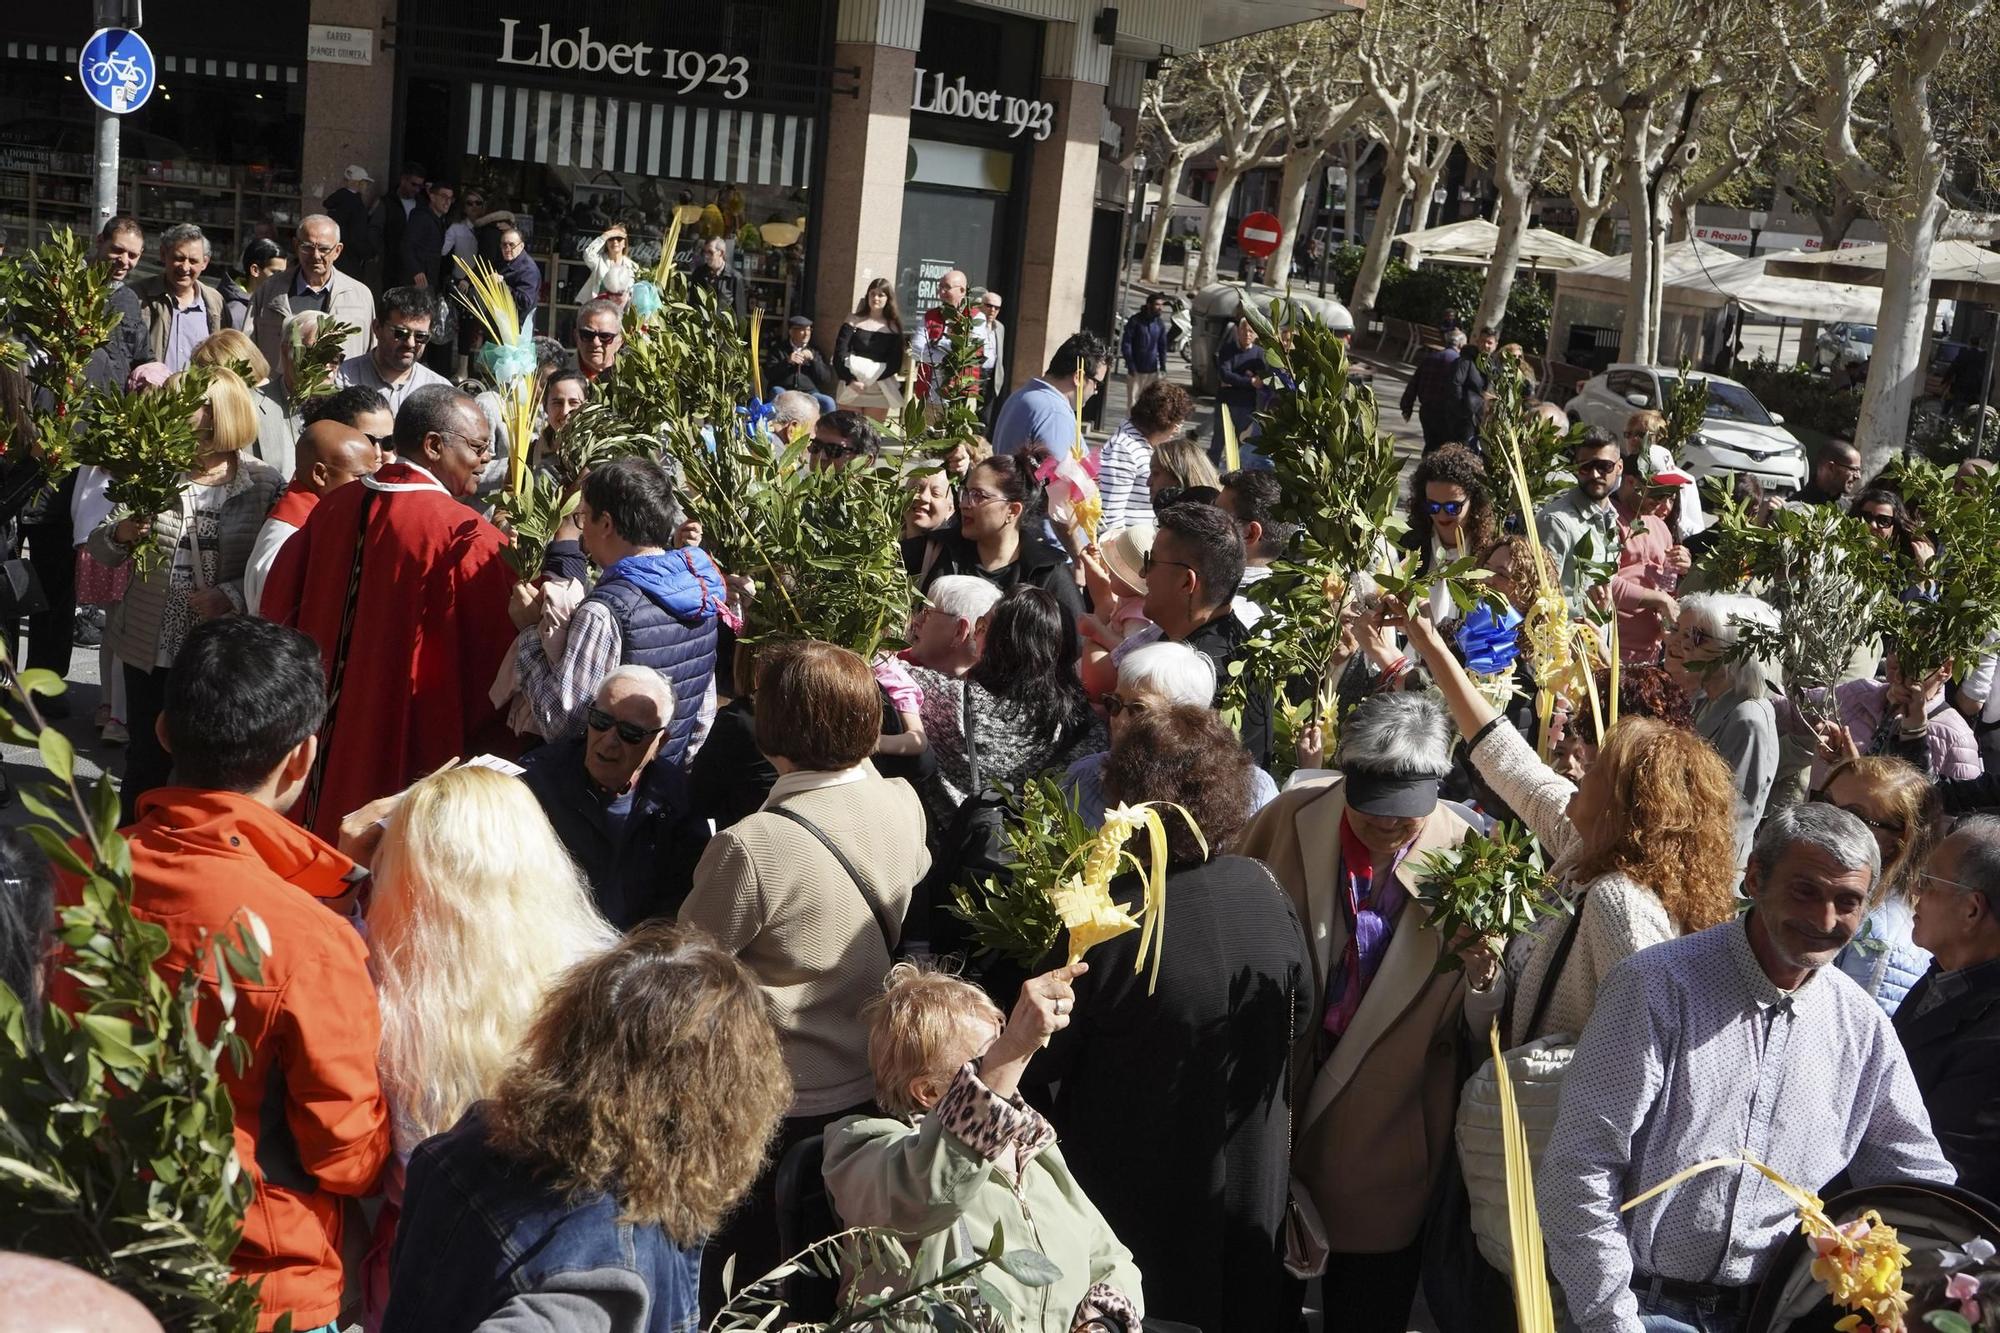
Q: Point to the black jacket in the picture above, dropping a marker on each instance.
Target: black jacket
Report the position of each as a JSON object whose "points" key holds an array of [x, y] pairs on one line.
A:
{"points": [[1172, 1109], [358, 241], [1221, 641], [1954, 1051], [815, 376], [646, 868], [1038, 564], [423, 247], [1467, 397], [728, 288]]}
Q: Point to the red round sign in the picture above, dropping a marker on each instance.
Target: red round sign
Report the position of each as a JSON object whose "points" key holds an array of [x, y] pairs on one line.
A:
{"points": [[1258, 235]]}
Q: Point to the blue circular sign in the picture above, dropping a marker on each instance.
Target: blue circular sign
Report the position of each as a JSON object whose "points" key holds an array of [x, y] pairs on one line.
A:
{"points": [[116, 70]]}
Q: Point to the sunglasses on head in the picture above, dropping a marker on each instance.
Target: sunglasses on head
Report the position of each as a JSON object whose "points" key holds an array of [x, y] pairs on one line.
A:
{"points": [[1452, 508], [629, 732]]}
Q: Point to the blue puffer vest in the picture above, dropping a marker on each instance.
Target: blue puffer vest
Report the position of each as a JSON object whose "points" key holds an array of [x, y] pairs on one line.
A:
{"points": [[1883, 957], [478, 1229], [666, 606]]}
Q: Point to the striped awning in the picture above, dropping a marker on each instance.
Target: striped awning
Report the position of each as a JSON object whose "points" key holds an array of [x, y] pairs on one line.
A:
{"points": [[639, 137], [170, 65]]}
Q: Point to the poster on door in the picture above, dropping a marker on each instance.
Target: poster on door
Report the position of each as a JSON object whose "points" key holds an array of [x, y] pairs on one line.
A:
{"points": [[929, 272]]}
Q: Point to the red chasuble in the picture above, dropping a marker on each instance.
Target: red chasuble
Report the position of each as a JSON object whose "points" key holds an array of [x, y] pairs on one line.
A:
{"points": [[427, 629]]}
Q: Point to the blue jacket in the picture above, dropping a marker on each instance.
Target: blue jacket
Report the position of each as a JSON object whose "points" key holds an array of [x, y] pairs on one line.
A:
{"points": [[639, 868], [1144, 345], [1235, 365], [666, 605], [479, 1233], [1883, 957]]}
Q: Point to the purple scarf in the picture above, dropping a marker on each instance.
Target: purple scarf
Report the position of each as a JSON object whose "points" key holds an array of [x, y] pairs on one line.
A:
{"points": [[1371, 920]]}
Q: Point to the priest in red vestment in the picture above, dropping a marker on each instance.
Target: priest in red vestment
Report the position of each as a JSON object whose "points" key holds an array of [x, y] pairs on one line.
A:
{"points": [[414, 625]]}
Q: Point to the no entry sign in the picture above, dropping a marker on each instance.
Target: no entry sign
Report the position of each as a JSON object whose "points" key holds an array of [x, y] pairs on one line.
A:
{"points": [[1258, 235]]}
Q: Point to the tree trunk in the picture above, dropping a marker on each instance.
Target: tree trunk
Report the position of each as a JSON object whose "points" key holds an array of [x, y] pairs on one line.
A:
{"points": [[1375, 260], [1216, 227], [1895, 370], [1640, 338], [1294, 190], [1512, 220], [1589, 217], [1163, 216], [1426, 185]]}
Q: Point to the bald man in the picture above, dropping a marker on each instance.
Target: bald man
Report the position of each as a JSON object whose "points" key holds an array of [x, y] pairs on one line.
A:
{"points": [[932, 340], [330, 455], [43, 1296]]}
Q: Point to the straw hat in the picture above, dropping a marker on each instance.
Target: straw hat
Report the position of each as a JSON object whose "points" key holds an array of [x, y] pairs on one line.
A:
{"points": [[1125, 552]]}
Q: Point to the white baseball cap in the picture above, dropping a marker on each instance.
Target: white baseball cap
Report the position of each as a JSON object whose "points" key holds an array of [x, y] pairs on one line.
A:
{"points": [[356, 174]]}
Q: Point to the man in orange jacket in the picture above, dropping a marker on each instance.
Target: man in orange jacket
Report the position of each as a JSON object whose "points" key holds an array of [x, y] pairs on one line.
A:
{"points": [[241, 719]]}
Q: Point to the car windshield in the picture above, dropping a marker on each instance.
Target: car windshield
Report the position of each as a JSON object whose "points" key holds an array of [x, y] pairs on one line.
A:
{"points": [[1731, 402], [1861, 333]]}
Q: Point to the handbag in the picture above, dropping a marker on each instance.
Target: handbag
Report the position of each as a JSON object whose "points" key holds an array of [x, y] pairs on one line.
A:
{"points": [[21, 592], [1536, 1070]]}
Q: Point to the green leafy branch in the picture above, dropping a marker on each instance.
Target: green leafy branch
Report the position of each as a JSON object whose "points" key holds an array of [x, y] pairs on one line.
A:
{"points": [[147, 442], [1010, 914], [58, 302], [1488, 887], [1685, 409], [314, 363], [117, 1147]]}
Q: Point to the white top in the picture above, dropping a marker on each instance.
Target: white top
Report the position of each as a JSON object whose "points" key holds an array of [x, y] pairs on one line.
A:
{"points": [[271, 539], [602, 268]]}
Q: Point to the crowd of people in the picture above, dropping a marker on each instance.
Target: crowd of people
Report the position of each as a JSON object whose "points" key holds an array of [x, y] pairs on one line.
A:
{"points": [[594, 928]]}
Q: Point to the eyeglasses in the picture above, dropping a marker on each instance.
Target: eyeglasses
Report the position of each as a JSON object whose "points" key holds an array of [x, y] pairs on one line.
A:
{"points": [[1602, 467], [971, 497], [310, 248], [481, 448], [1451, 508], [1636, 434], [1113, 705], [598, 335], [629, 732], [404, 334], [1147, 562]]}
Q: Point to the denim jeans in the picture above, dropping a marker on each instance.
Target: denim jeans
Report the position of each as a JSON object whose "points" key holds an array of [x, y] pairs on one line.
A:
{"points": [[1666, 1315]]}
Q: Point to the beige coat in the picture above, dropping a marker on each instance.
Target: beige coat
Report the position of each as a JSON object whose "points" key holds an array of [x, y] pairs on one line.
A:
{"points": [[271, 306], [775, 897], [1370, 1127]]}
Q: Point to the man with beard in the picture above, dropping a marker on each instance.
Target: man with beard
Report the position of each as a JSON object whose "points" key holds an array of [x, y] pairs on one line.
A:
{"points": [[1739, 1041], [1579, 528]]}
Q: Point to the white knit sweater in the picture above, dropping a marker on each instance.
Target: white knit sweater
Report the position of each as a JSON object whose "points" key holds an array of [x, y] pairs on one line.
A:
{"points": [[1620, 916]]}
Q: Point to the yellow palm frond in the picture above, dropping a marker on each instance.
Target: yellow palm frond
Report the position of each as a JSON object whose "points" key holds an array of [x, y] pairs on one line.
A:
{"points": [[1534, 1302]]}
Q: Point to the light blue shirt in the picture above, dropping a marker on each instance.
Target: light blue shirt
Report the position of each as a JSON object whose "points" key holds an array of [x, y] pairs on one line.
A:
{"points": [[1693, 1053], [187, 329], [1039, 414]]}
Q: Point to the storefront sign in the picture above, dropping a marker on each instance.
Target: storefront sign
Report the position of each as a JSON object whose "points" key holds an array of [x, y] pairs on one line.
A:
{"points": [[539, 49], [340, 46], [956, 100]]}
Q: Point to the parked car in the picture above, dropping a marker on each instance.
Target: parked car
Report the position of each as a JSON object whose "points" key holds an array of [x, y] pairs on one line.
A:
{"points": [[1214, 314], [1736, 435], [1845, 344]]}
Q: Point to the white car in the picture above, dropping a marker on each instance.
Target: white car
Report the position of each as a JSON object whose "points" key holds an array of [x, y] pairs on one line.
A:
{"points": [[1738, 434]]}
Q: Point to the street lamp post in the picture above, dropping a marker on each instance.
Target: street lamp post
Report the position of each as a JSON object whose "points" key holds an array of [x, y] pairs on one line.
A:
{"points": [[1132, 221], [1758, 219], [1336, 177]]}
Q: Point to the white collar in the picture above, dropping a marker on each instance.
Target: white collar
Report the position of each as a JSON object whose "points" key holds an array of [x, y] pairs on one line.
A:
{"points": [[804, 780], [429, 482]]}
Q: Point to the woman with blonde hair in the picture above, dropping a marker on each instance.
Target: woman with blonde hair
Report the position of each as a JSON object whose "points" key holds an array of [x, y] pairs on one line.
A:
{"points": [[1643, 846], [202, 545], [1182, 471], [475, 912], [1904, 811], [277, 439], [581, 1193], [959, 1153]]}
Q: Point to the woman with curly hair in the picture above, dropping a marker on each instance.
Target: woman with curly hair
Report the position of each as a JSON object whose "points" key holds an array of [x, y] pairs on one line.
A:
{"points": [[1905, 813], [1643, 691], [1644, 847], [1198, 1195], [1451, 514], [580, 1195]]}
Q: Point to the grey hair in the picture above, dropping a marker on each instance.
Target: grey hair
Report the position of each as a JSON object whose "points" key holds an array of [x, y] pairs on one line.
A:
{"points": [[1456, 338], [962, 596], [1722, 617], [295, 326], [311, 218], [1827, 828], [793, 408], [648, 682], [599, 306], [1396, 736], [180, 234], [1977, 838], [1174, 671]]}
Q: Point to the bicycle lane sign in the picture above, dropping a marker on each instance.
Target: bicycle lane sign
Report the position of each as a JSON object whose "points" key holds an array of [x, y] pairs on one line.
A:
{"points": [[116, 70]]}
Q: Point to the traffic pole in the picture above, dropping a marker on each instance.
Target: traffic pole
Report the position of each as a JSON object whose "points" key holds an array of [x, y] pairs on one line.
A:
{"points": [[104, 195]]}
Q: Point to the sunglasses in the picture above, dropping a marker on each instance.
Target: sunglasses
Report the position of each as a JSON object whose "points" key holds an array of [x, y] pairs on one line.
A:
{"points": [[833, 449], [629, 732], [409, 335], [1113, 705], [1146, 564], [598, 335], [1879, 520], [1602, 467], [379, 441], [1449, 507]]}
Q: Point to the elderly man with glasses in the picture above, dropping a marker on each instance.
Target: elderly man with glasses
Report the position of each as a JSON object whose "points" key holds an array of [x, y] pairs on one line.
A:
{"points": [[618, 809], [1950, 1020], [394, 366], [600, 336], [313, 283], [404, 589]]}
